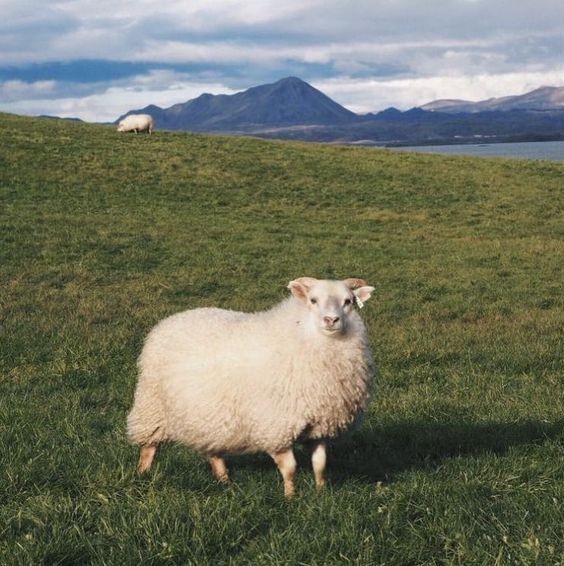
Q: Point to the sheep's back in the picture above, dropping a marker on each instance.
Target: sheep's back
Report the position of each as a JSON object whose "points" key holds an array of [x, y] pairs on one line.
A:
{"points": [[205, 341]]}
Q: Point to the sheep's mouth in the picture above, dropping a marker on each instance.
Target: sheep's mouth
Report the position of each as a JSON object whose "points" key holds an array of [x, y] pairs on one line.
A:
{"points": [[332, 330]]}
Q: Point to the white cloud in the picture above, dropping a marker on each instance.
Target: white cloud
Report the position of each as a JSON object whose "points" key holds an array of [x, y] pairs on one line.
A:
{"points": [[196, 15], [16, 89], [317, 31], [368, 95], [114, 101]]}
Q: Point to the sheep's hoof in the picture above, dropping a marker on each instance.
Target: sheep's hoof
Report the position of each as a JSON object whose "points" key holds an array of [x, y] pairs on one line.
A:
{"points": [[289, 492], [219, 469], [146, 456]]}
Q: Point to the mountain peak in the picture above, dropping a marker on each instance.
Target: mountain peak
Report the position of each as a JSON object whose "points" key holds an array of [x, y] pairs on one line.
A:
{"points": [[545, 88], [291, 80], [390, 112]]}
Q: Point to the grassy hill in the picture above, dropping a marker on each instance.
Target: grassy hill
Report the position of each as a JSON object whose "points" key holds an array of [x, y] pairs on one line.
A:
{"points": [[461, 457]]}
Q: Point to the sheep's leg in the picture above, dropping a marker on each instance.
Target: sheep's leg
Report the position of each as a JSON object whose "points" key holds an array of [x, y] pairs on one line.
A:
{"points": [[219, 469], [146, 456], [318, 462], [287, 465]]}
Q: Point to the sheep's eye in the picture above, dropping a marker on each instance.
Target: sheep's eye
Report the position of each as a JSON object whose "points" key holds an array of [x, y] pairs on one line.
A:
{"points": [[313, 301], [347, 301]]}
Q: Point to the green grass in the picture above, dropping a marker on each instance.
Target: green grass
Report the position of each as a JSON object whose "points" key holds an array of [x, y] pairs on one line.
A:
{"points": [[461, 457]]}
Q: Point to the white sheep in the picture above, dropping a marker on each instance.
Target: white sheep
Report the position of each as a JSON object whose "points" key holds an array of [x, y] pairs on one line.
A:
{"points": [[136, 123], [225, 382]]}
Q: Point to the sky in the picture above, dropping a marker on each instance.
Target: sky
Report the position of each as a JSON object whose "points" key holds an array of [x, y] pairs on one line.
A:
{"points": [[97, 59]]}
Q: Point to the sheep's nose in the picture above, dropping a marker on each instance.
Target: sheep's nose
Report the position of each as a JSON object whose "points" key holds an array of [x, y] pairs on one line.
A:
{"points": [[330, 320]]}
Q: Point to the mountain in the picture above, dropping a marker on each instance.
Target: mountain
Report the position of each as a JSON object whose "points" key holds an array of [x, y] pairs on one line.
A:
{"points": [[287, 102], [543, 98], [293, 109], [420, 127]]}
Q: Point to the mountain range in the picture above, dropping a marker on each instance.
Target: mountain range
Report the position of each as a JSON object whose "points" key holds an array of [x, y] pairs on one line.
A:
{"points": [[293, 109], [543, 98]]}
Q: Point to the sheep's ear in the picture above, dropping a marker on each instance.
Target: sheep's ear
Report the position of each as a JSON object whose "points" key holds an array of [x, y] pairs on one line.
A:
{"points": [[300, 286], [354, 283], [362, 294]]}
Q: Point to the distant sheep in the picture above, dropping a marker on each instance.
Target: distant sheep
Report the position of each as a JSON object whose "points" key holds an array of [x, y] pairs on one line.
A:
{"points": [[226, 382], [136, 123]]}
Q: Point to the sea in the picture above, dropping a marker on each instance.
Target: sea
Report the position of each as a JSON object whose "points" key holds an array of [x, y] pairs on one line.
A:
{"points": [[551, 150]]}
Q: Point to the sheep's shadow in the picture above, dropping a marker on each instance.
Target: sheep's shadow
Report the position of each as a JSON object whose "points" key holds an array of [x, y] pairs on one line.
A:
{"points": [[380, 453]]}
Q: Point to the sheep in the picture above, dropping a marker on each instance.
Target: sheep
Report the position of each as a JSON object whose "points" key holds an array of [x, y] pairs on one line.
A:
{"points": [[225, 382], [136, 123]]}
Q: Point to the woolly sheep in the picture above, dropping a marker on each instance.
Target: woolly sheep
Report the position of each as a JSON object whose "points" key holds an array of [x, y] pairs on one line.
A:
{"points": [[225, 382], [136, 123]]}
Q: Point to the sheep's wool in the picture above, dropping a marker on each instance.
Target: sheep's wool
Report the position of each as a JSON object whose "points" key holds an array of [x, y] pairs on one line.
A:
{"points": [[136, 122], [225, 382]]}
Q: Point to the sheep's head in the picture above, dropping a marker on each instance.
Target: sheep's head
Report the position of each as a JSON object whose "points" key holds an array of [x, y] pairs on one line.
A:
{"points": [[330, 303], [120, 127]]}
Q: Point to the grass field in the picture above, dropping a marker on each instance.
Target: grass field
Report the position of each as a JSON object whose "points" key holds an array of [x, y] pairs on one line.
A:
{"points": [[461, 457]]}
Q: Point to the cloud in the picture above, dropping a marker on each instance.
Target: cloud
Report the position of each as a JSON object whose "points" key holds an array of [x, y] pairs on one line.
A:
{"points": [[368, 95], [147, 30], [161, 88], [16, 90]]}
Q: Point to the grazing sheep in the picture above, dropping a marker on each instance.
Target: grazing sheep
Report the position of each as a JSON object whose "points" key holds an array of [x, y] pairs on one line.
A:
{"points": [[225, 382], [136, 123]]}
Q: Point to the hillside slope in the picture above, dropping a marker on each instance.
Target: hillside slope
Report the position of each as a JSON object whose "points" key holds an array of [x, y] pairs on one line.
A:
{"points": [[102, 235]]}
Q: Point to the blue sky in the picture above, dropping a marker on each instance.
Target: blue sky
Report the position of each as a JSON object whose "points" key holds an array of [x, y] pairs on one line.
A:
{"points": [[96, 59]]}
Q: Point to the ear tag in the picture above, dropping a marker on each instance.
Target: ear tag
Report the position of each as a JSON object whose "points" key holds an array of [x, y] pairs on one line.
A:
{"points": [[359, 303]]}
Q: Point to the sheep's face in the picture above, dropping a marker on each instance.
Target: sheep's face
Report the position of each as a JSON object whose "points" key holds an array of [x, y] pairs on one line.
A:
{"points": [[330, 303], [120, 127]]}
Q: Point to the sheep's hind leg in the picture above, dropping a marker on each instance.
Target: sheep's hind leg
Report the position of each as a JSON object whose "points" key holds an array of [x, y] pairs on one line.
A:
{"points": [[318, 462], [146, 455], [219, 469], [287, 465]]}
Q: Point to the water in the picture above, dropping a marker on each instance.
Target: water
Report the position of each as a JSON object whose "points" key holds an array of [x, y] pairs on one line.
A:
{"points": [[553, 150]]}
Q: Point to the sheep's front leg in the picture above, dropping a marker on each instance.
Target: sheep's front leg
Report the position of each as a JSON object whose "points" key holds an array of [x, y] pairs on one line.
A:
{"points": [[318, 462], [146, 455], [219, 469], [287, 465]]}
